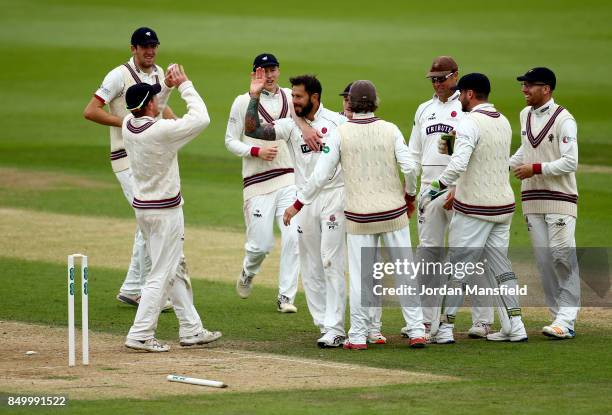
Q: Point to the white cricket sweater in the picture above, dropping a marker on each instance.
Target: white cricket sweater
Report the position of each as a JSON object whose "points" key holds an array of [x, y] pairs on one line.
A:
{"points": [[549, 142], [152, 146], [260, 176], [369, 150], [480, 166], [112, 92]]}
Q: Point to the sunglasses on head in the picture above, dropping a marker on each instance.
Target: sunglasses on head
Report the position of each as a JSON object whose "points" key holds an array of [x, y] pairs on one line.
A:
{"points": [[440, 79]]}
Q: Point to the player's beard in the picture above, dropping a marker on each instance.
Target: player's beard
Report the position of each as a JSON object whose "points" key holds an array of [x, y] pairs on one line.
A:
{"points": [[464, 105], [305, 110]]}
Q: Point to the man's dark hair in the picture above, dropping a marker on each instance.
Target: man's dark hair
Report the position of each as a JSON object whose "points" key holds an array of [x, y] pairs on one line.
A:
{"points": [[481, 96], [361, 106], [140, 113], [310, 82]]}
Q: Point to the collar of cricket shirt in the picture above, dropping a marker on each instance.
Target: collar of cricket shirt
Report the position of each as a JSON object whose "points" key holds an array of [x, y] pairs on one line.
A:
{"points": [[316, 116], [268, 94], [544, 109], [453, 97], [484, 106], [363, 115]]}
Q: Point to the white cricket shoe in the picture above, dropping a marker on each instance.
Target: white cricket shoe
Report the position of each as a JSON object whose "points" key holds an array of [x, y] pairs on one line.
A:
{"points": [[376, 338], [444, 334], [284, 306], [517, 332], [479, 330], [151, 345], [244, 284], [558, 332], [404, 331], [330, 340], [202, 337]]}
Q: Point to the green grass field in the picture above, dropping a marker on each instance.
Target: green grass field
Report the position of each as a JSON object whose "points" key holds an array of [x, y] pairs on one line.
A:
{"points": [[56, 53]]}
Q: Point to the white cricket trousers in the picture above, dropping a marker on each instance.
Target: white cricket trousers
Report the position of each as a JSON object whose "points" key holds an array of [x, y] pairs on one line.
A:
{"points": [[474, 240], [140, 263], [360, 315], [552, 237], [321, 234], [260, 212], [433, 223], [163, 230]]}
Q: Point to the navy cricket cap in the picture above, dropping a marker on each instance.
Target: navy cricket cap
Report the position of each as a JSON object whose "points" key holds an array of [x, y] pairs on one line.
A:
{"points": [[346, 90], [144, 36], [139, 95], [264, 60], [541, 75], [477, 82]]}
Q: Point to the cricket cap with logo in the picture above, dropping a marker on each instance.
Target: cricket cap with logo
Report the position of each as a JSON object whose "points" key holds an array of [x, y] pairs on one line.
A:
{"points": [[539, 75], [144, 36], [442, 66], [138, 95], [264, 60]]}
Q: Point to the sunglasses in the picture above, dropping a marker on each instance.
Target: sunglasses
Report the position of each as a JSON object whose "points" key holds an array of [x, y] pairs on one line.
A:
{"points": [[440, 79], [530, 84]]}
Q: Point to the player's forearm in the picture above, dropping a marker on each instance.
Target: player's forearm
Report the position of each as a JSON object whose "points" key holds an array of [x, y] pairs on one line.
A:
{"points": [[409, 165], [565, 165], [324, 169], [568, 147], [517, 158], [100, 116], [235, 146], [458, 163], [162, 101], [197, 119], [252, 126]]}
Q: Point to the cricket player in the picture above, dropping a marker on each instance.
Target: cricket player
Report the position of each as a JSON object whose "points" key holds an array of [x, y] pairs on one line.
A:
{"points": [[483, 203], [346, 108], [546, 162], [375, 335], [268, 185], [152, 145], [321, 231], [434, 118], [375, 208], [140, 68]]}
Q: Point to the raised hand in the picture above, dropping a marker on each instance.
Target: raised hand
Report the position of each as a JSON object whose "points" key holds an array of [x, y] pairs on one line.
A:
{"points": [[175, 75], [258, 80]]}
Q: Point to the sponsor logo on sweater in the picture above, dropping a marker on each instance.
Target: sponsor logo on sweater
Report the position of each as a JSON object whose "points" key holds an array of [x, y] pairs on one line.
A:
{"points": [[438, 128]]}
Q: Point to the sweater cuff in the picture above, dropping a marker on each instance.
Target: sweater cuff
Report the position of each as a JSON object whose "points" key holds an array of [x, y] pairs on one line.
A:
{"points": [[537, 168], [184, 86], [255, 151], [298, 205]]}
